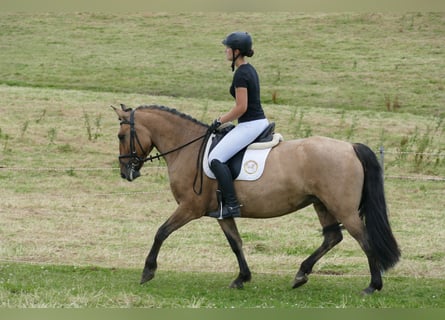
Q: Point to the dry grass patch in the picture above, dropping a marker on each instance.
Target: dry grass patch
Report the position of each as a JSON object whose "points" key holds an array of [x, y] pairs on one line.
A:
{"points": [[68, 205]]}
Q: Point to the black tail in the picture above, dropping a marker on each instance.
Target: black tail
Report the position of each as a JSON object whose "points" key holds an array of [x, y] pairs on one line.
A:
{"points": [[374, 212]]}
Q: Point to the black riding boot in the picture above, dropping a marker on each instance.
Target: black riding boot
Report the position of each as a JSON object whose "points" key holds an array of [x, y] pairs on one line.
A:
{"points": [[230, 207]]}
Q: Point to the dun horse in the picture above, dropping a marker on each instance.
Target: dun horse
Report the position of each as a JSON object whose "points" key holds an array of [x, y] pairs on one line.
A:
{"points": [[342, 181]]}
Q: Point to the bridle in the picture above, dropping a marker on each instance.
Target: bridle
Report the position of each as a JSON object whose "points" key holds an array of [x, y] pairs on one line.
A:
{"points": [[135, 161]]}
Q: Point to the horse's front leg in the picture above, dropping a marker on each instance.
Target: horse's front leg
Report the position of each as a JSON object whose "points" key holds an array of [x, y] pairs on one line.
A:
{"points": [[231, 231], [178, 219]]}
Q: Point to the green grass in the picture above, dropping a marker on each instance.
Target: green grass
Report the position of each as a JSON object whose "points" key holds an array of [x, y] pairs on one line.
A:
{"points": [[73, 234], [70, 287], [352, 61]]}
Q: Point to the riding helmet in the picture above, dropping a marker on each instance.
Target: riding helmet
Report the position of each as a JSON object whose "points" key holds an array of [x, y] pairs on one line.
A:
{"points": [[241, 41]]}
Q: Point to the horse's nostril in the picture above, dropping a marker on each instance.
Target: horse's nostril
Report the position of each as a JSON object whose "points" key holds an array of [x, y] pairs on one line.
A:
{"points": [[123, 176]]}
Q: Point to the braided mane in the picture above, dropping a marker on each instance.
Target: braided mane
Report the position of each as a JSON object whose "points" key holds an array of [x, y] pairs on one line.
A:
{"points": [[174, 112]]}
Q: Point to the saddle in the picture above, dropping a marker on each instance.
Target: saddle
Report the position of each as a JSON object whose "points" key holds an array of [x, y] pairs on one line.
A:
{"points": [[251, 158]]}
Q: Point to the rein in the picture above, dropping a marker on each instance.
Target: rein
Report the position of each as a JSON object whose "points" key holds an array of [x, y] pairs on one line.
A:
{"points": [[136, 161], [159, 155]]}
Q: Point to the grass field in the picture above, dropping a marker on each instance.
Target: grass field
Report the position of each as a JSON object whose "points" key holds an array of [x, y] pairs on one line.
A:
{"points": [[63, 286], [73, 234]]}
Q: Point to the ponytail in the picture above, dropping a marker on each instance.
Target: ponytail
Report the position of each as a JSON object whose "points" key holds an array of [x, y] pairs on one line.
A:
{"points": [[250, 53]]}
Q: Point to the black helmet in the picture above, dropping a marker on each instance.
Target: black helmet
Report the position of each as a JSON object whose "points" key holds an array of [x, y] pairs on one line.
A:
{"points": [[239, 40]]}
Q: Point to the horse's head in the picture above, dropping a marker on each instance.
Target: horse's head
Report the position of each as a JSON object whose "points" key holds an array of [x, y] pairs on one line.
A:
{"points": [[134, 145]]}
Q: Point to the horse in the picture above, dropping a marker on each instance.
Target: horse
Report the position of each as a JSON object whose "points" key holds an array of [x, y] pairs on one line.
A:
{"points": [[342, 181]]}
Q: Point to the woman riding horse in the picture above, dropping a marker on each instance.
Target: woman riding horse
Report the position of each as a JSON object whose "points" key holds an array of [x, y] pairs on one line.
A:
{"points": [[343, 181]]}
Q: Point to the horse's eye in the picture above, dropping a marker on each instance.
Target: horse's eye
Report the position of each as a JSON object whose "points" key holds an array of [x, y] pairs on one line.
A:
{"points": [[121, 136]]}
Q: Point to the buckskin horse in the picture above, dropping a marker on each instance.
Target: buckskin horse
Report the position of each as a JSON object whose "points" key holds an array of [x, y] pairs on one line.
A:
{"points": [[343, 182]]}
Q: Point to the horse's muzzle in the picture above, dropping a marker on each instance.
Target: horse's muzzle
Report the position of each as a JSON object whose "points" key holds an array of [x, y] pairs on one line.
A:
{"points": [[130, 174]]}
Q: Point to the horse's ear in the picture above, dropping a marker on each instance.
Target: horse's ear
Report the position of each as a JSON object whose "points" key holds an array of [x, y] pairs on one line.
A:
{"points": [[122, 114], [124, 108]]}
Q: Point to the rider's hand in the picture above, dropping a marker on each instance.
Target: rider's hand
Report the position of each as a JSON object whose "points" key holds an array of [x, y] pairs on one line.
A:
{"points": [[215, 125]]}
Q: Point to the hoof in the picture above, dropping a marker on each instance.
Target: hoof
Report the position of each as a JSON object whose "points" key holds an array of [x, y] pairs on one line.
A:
{"points": [[300, 279], [147, 275], [368, 291], [237, 284]]}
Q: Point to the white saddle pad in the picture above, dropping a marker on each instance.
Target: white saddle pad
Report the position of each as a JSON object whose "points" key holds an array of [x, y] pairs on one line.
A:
{"points": [[253, 163]]}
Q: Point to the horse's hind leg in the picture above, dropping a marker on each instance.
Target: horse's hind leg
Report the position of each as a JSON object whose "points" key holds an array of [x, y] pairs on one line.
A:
{"points": [[332, 236], [231, 232], [354, 225]]}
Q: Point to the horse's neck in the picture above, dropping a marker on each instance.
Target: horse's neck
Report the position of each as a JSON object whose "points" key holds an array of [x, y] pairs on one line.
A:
{"points": [[169, 132]]}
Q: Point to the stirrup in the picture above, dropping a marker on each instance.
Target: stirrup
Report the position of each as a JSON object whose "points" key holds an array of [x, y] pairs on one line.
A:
{"points": [[225, 212], [229, 212]]}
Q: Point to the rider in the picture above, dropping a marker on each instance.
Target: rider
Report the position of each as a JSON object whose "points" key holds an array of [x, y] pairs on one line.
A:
{"points": [[248, 111]]}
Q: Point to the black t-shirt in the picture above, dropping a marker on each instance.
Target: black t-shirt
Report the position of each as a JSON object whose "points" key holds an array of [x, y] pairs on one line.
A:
{"points": [[246, 77]]}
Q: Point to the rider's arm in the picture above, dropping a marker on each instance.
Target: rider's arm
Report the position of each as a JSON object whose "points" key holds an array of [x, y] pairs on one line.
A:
{"points": [[240, 106]]}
